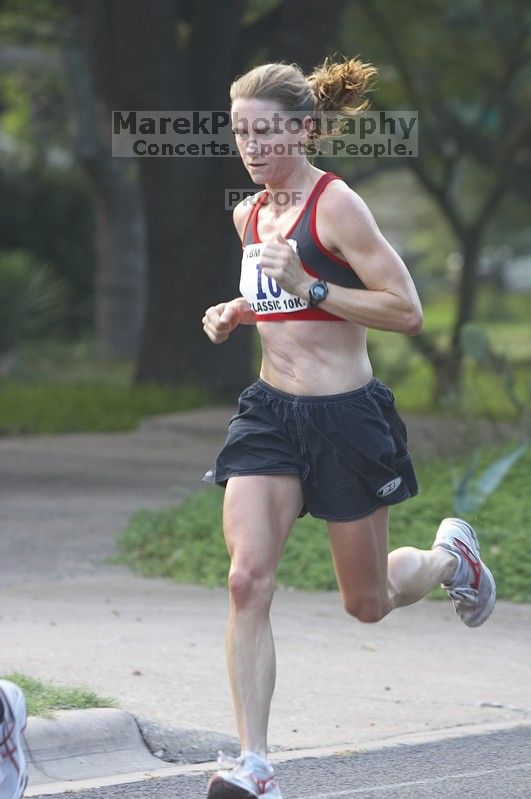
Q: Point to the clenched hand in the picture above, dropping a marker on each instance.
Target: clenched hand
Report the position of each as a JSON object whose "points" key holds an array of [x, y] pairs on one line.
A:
{"points": [[280, 262], [220, 320]]}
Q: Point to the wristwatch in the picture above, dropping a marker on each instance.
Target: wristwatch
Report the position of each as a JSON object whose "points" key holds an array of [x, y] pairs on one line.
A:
{"points": [[317, 293]]}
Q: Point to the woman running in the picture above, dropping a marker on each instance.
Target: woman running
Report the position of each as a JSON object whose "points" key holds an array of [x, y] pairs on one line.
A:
{"points": [[317, 432]]}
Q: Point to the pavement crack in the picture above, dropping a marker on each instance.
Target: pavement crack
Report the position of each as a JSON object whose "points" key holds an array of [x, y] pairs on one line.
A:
{"points": [[502, 706]]}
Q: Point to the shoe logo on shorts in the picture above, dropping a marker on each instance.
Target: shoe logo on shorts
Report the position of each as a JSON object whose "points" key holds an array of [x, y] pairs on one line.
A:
{"points": [[389, 487]]}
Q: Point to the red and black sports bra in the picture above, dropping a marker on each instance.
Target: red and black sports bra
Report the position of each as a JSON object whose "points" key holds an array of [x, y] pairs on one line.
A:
{"points": [[269, 301]]}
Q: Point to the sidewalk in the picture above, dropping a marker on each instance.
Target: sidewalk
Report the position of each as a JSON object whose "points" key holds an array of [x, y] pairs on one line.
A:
{"points": [[158, 647]]}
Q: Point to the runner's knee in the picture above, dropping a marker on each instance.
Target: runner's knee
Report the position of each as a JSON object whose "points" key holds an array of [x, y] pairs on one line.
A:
{"points": [[251, 587], [368, 609]]}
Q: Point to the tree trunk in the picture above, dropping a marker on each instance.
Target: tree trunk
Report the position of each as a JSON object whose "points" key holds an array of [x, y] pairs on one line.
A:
{"points": [[120, 231], [193, 249], [468, 284], [448, 371], [119, 304], [189, 273]]}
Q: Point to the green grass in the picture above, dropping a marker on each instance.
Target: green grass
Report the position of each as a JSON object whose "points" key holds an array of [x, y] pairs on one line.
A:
{"points": [[56, 387], [56, 408], [68, 363], [396, 362], [483, 394], [42, 698], [185, 542], [492, 309]]}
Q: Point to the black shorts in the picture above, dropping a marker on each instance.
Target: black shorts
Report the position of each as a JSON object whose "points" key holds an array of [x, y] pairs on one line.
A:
{"points": [[349, 450]]}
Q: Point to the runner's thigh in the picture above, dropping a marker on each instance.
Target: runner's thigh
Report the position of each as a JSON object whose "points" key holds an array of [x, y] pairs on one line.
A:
{"points": [[258, 514], [359, 551]]}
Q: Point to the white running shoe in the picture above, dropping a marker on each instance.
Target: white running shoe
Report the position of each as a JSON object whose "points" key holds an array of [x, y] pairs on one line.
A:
{"points": [[250, 777], [472, 588], [13, 774]]}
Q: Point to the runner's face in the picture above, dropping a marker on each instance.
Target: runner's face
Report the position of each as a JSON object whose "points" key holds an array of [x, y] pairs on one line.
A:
{"points": [[270, 140]]}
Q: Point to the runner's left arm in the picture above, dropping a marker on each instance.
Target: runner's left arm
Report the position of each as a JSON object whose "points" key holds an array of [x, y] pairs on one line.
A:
{"points": [[347, 227]]}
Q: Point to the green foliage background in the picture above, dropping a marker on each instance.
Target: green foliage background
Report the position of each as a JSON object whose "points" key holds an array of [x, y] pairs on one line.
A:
{"points": [[43, 698], [185, 543]]}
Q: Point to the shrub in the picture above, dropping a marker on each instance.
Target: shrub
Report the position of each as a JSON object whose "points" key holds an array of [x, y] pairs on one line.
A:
{"points": [[33, 300]]}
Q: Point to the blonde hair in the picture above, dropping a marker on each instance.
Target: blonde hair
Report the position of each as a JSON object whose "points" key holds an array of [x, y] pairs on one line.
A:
{"points": [[332, 88]]}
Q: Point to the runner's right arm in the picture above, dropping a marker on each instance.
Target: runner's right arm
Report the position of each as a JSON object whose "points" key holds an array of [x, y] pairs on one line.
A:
{"points": [[220, 320]]}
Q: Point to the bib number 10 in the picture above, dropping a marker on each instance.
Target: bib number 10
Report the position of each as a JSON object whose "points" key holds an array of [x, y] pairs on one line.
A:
{"points": [[274, 289]]}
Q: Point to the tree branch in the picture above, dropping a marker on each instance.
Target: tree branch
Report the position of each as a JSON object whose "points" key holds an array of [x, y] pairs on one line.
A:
{"points": [[521, 135], [425, 344], [483, 150], [398, 58]]}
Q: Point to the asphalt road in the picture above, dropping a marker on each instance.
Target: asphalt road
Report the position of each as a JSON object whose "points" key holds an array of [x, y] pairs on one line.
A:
{"points": [[493, 766]]}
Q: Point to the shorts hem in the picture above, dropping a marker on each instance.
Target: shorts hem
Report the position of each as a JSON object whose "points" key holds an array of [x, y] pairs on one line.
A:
{"points": [[350, 518], [249, 473]]}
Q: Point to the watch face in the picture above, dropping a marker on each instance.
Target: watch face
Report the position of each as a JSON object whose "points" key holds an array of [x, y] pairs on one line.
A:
{"points": [[318, 292]]}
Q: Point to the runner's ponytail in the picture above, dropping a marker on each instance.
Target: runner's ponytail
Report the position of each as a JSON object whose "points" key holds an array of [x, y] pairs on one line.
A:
{"points": [[332, 90], [341, 87]]}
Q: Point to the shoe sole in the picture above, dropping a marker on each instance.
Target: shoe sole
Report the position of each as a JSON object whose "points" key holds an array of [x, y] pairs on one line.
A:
{"points": [[23, 762], [489, 606], [218, 788], [18, 741]]}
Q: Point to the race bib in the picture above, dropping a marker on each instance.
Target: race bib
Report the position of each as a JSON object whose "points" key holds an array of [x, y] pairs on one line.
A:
{"points": [[263, 293]]}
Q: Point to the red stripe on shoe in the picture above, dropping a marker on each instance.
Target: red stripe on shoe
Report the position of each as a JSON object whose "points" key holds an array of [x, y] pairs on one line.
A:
{"points": [[261, 784], [472, 561], [6, 742]]}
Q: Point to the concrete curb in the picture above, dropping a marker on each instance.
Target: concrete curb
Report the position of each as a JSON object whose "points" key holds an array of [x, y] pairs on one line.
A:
{"points": [[80, 745], [185, 746]]}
